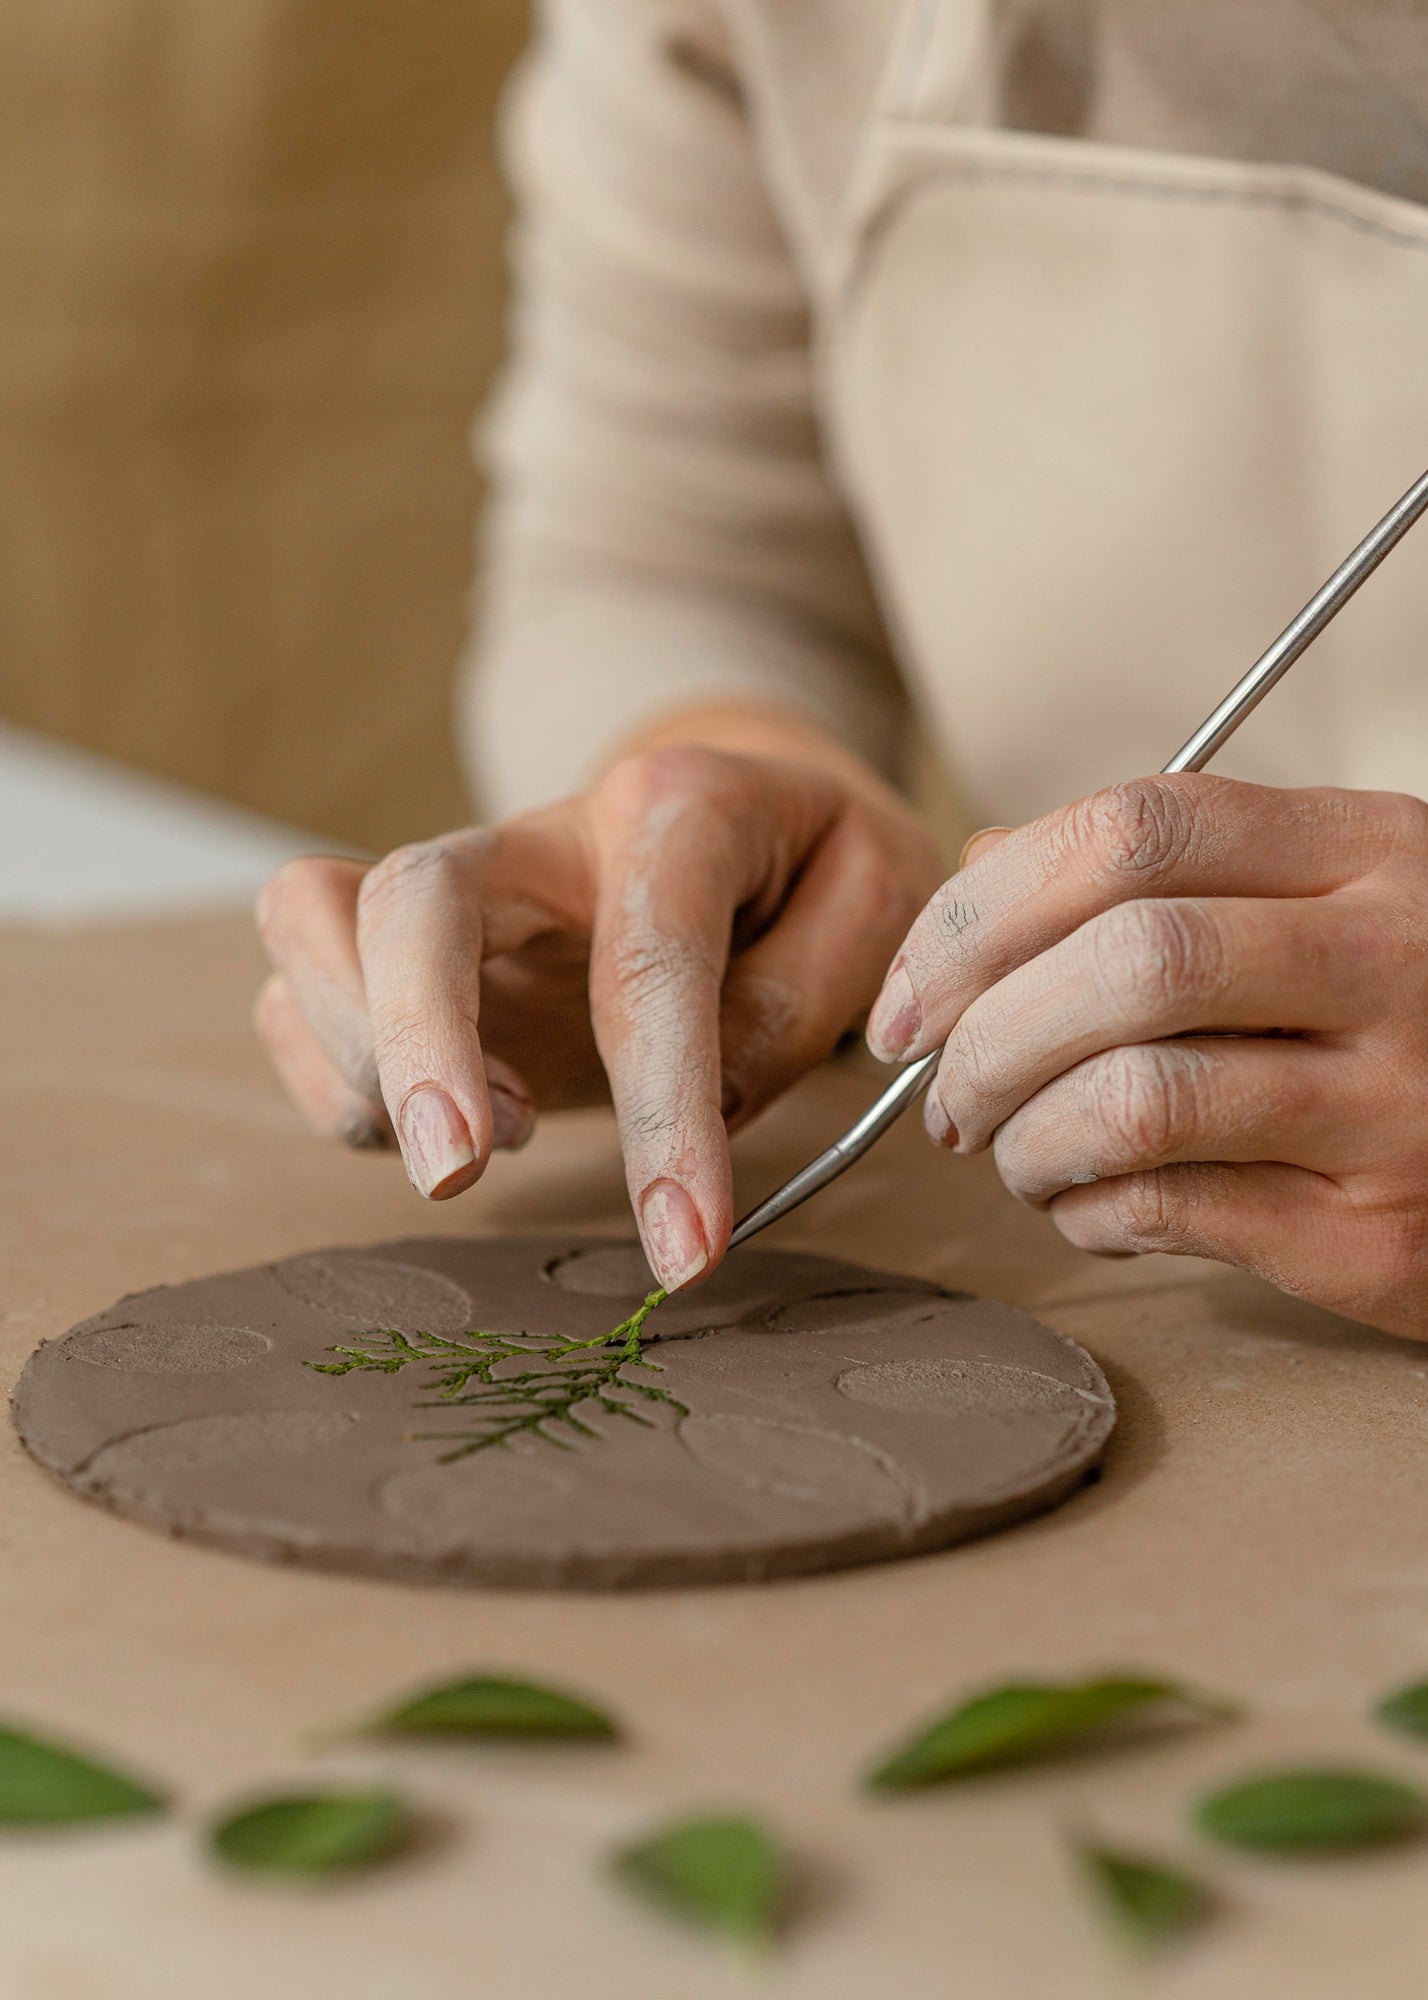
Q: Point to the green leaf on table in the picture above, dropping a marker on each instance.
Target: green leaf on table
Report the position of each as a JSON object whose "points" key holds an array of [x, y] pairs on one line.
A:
{"points": [[727, 1875], [1406, 1710], [313, 1833], [42, 1784], [487, 1706], [1303, 1811], [1021, 1721], [1152, 1903]]}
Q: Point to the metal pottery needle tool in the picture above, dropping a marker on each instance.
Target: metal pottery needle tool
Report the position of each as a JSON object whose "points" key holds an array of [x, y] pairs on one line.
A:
{"points": [[1214, 732]]}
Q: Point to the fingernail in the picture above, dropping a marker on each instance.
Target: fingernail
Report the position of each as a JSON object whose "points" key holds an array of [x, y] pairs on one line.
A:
{"points": [[512, 1118], [435, 1141], [940, 1129], [896, 1017], [983, 833], [674, 1240]]}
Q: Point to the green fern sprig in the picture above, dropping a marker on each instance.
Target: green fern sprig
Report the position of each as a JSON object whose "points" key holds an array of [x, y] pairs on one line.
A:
{"points": [[538, 1402], [630, 1332]]}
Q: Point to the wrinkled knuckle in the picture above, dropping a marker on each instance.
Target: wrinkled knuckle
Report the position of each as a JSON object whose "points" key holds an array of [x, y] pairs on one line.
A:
{"points": [[643, 973], [417, 866], [1143, 1101], [1145, 1211], [1142, 829], [1150, 956]]}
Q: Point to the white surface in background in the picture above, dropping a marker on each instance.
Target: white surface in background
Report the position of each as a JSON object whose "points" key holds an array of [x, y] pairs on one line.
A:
{"points": [[81, 837]]}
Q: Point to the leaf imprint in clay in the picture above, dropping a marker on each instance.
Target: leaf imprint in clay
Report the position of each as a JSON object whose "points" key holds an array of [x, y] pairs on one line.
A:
{"points": [[200, 1444], [961, 1388], [372, 1293], [167, 1350], [795, 1462], [446, 1410]]}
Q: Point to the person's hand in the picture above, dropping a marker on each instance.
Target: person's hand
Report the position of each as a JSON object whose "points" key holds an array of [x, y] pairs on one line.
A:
{"points": [[700, 928], [1192, 1015]]}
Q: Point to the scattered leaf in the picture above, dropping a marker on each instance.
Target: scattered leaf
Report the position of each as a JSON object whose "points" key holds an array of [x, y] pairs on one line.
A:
{"points": [[319, 1833], [1152, 1903], [44, 1785], [725, 1875], [1303, 1811], [485, 1706], [1407, 1710], [1013, 1724]]}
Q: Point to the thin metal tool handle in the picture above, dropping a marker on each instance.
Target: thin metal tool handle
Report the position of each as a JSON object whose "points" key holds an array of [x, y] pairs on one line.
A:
{"points": [[1326, 604], [1214, 732], [905, 1088]]}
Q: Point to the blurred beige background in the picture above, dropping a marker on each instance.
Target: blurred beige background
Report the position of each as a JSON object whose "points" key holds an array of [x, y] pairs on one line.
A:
{"points": [[250, 297]]}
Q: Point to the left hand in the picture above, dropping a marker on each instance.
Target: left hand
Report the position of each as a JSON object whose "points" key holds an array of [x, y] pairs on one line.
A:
{"points": [[1191, 1015]]}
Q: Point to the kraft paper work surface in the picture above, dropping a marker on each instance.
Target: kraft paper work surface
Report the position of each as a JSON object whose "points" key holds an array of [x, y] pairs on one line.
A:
{"points": [[1260, 1530]]}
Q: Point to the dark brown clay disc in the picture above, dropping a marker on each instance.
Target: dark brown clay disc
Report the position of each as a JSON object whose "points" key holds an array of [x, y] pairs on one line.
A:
{"points": [[796, 1414]]}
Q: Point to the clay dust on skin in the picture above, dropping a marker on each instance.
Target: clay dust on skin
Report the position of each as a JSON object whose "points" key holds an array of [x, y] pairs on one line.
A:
{"points": [[661, 1098], [347, 1032]]}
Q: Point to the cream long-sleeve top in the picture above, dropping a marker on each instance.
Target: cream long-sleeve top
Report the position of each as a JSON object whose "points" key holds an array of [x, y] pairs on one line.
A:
{"points": [[1024, 363]]}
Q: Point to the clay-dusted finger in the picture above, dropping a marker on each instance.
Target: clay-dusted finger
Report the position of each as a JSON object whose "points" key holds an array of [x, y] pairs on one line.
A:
{"points": [[426, 916], [1189, 835], [1234, 1099], [1256, 1216], [656, 968], [686, 840], [307, 918], [310, 1077], [1270, 1219], [1146, 970]]}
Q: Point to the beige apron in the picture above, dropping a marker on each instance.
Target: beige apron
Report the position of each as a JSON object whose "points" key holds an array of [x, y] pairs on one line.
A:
{"points": [[1107, 418]]}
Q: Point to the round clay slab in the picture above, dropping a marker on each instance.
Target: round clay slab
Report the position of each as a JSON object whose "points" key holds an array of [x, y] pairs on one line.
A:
{"points": [[795, 1414]]}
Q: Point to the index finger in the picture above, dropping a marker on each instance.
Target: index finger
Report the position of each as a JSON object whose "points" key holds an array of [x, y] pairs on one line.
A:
{"points": [[683, 849], [658, 954], [1184, 835]]}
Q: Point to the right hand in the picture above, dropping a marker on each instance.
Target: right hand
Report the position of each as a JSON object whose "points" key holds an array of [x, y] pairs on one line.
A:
{"points": [[700, 928]]}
